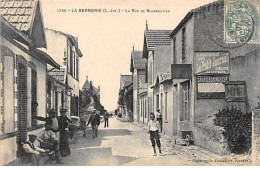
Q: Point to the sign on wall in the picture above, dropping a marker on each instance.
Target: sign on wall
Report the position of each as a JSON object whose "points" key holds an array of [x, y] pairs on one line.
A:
{"points": [[211, 63]]}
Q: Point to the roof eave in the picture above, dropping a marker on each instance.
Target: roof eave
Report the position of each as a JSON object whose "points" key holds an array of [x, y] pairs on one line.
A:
{"points": [[21, 37], [183, 21], [47, 58]]}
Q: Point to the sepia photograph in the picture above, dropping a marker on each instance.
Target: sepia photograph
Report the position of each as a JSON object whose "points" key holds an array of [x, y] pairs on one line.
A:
{"points": [[130, 83]]}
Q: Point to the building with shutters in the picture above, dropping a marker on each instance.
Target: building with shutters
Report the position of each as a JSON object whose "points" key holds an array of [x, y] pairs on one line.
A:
{"points": [[23, 73], [64, 49]]}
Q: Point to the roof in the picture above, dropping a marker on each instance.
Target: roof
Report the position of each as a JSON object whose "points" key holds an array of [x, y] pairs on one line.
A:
{"points": [[125, 80], [59, 75], [137, 62], [157, 37], [153, 38], [13, 32], [190, 13], [21, 14], [163, 77]]}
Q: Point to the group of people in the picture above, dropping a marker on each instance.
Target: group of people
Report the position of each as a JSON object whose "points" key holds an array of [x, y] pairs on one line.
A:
{"points": [[54, 138], [154, 129]]}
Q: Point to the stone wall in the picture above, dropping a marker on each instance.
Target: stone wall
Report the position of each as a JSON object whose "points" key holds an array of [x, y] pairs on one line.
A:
{"points": [[210, 138]]}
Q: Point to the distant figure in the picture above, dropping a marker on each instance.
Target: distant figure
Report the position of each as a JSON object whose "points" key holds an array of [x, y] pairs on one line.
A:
{"points": [[33, 152], [95, 121], [106, 117], [153, 127], [159, 118]]}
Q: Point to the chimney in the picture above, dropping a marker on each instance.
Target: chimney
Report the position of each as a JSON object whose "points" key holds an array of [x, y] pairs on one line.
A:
{"points": [[133, 47], [98, 88], [146, 25], [86, 78]]}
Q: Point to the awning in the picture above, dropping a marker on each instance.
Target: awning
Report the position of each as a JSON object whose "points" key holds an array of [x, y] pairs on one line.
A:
{"points": [[181, 71]]}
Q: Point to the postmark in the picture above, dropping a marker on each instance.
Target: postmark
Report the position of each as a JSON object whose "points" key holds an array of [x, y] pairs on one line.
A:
{"points": [[241, 21]]}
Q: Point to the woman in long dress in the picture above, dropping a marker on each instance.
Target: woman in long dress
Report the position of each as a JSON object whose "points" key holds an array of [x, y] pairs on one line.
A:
{"points": [[64, 142]]}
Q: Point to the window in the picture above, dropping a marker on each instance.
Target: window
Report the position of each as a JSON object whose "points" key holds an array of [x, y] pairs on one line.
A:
{"points": [[183, 44], [157, 101], [165, 106], [185, 114], [174, 50], [161, 103]]}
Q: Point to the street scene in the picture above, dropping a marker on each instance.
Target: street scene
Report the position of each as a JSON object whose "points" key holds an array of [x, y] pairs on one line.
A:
{"points": [[130, 84]]}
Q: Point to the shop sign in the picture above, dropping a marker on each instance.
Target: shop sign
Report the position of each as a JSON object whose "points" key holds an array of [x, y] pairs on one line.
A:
{"points": [[211, 63]]}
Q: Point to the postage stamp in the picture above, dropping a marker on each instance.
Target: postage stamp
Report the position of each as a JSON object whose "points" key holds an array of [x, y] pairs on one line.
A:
{"points": [[241, 21]]}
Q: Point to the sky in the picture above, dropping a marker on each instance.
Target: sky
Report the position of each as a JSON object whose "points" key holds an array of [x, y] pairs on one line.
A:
{"points": [[106, 39]]}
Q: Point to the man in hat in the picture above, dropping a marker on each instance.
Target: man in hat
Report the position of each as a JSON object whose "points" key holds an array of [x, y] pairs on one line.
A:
{"points": [[52, 121], [49, 140], [95, 121], [33, 152]]}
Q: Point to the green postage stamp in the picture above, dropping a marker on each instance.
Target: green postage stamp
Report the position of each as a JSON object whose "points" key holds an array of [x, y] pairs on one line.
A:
{"points": [[241, 21]]}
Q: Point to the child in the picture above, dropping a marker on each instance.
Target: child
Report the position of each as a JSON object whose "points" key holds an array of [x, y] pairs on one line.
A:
{"points": [[153, 127]]}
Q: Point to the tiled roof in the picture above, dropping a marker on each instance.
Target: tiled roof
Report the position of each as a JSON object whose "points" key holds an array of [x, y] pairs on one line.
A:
{"points": [[157, 37], [162, 77], [59, 75], [19, 13], [138, 61]]}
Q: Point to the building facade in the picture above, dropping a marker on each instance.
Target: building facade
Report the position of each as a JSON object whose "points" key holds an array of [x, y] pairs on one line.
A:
{"points": [[137, 68], [64, 49], [156, 45], [209, 74], [23, 73], [125, 83]]}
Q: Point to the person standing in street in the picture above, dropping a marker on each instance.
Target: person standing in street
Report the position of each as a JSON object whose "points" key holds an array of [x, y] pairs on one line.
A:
{"points": [[52, 121], [95, 121], [106, 117], [153, 130], [64, 142], [159, 118]]}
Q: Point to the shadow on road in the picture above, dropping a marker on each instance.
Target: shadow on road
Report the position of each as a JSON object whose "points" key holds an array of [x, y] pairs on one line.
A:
{"points": [[96, 157]]}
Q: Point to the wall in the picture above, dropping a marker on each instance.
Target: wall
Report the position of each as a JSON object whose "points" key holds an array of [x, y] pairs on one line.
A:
{"points": [[8, 146], [167, 123], [56, 45], [210, 138], [208, 25], [178, 126], [162, 60], [135, 97], [248, 65], [8, 150]]}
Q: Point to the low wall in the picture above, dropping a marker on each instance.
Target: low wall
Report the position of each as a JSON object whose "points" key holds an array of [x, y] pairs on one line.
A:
{"points": [[210, 138]]}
